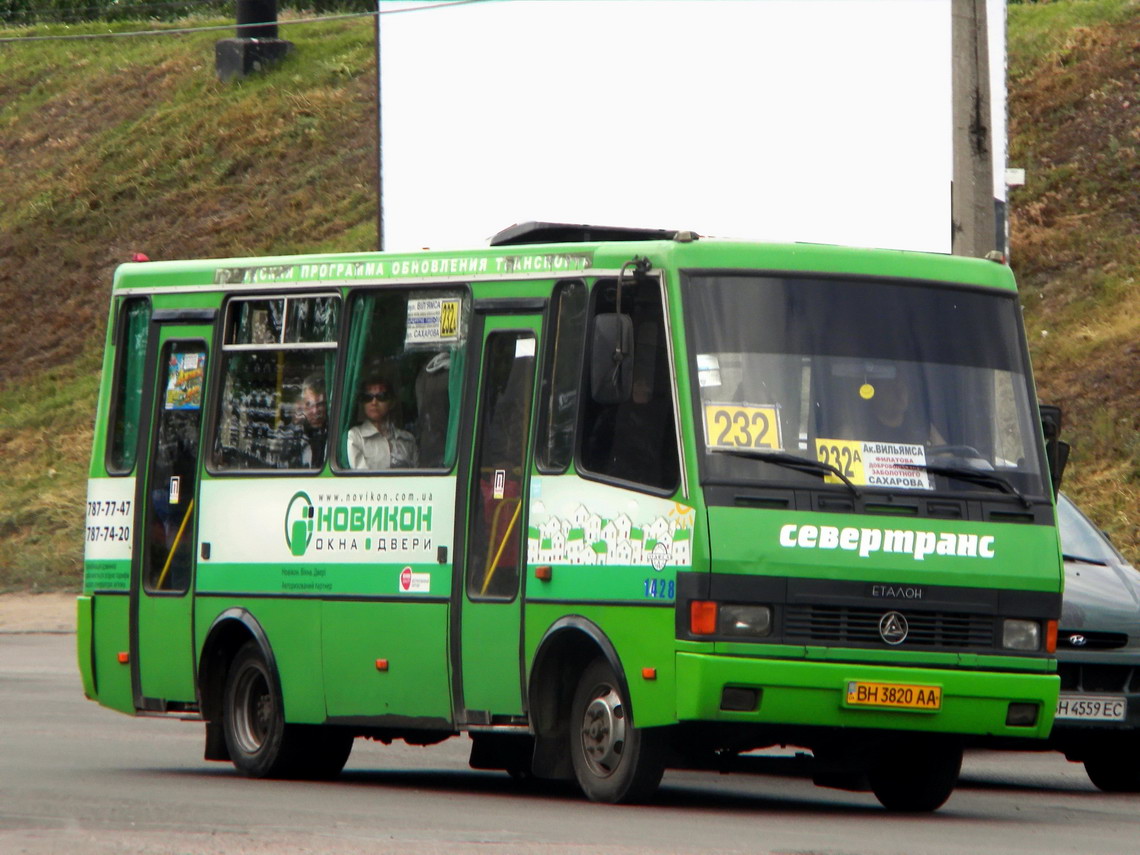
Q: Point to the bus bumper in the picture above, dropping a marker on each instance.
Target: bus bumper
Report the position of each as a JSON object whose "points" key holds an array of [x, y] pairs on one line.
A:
{"points": [[794, 693]]}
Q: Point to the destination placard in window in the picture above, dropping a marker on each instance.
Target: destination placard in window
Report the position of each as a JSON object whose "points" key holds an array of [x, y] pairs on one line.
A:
{"points": [[432, 321], [875, 464]]}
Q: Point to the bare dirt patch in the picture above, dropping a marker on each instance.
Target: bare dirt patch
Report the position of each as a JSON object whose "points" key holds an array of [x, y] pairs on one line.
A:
{"points": [[31, 613]]}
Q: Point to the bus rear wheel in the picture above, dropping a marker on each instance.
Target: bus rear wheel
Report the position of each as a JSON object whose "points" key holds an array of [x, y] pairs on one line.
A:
{"points": [[260, 742], [915, 773], [613, 761]]}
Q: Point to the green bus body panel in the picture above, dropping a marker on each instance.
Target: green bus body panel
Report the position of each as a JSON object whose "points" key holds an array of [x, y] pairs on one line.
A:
{"points": [[166, 666], [1005, 555], [411, 637], [608, 544], [312, 578], [519, 263], [108, 636], [491, 650], [292, 628], [643, 637], [326, 536], [109, 534], [915, 659], [84, 629], [973, 702]]}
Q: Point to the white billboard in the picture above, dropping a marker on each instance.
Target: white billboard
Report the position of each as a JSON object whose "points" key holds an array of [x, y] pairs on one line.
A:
{"points": [[805, 120]]}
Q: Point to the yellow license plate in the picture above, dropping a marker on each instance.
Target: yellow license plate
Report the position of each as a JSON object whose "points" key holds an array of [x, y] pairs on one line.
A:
{"points": [[894, 695]]}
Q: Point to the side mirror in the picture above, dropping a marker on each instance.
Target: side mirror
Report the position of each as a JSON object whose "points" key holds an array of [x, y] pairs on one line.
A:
{"points": [[611, 359], [1056, 449]]}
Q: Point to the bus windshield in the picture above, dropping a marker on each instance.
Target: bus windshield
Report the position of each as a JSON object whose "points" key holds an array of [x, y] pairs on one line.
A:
{"points": [[892, 385]]}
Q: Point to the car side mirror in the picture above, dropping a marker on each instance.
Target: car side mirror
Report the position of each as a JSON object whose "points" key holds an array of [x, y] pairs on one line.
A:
{"points": [[1056, 449]]}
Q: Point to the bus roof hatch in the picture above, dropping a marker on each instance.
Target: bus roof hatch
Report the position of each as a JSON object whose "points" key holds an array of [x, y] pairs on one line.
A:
{"points": [[537, 232]]}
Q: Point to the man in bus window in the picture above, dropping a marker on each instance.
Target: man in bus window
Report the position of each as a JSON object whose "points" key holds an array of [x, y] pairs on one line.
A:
{"points": [[377, 442], [311, 416]]}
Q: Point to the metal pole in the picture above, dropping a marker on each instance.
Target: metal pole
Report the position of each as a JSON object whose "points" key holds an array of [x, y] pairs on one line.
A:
{"points": [[972, 194], [257, 12]]}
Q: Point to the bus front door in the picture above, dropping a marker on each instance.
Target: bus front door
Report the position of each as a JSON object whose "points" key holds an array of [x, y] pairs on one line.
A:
{"points": [[490, 621], [162, 573]]}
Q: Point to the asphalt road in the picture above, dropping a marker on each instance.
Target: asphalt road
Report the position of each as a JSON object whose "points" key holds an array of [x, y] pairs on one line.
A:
{"points": [[77, 778]]}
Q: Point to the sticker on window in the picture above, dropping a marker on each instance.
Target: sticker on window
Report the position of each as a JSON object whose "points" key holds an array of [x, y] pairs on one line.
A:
{"points": [[708, 370], [432, 321], [732, 426], [875, 464], [184, 381]]}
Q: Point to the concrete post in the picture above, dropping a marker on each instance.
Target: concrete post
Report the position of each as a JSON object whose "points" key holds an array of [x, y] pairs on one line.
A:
{"points": [[254, 47], [972, 194]]}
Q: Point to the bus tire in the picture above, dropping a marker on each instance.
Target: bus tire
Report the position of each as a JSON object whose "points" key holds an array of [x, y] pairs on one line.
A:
{"points": [[613, 761], [260, 742], [915, 773]]}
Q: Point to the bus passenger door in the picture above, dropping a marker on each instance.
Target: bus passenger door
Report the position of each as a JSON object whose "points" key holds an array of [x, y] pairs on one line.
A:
{"points": [[490, 619], [162, 573]]}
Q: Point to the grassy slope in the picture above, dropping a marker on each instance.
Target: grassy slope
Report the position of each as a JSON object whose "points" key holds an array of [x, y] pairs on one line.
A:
{"points": [[1074, 79], [116, 146]]}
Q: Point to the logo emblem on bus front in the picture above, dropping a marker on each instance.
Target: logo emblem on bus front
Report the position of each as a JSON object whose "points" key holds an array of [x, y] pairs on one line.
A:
{"points": [[1078, 640], [893, 628]]}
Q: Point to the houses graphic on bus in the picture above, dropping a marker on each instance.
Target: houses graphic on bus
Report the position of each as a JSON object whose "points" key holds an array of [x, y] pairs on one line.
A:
{"points": [[587, 538]]}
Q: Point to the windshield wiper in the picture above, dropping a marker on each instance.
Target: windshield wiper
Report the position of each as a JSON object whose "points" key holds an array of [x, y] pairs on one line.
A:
{"points": [[791, 461], [1080, 559], [973, 476]]}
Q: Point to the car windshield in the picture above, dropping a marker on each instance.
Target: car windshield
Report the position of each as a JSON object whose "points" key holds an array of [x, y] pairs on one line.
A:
{"points": [[899, 385], [1080, 539]]}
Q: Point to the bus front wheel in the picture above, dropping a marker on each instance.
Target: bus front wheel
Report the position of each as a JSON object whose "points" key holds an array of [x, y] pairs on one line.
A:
{"points": [[613, 761], [260, 742], [915, 773]]}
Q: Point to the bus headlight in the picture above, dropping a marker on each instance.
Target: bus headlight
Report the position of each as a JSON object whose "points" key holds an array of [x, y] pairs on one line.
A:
{"points": [[744, 620], [1021, 634]]}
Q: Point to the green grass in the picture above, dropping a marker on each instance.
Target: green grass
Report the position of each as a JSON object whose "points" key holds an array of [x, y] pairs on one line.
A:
{"points": [[1073, 118], [115, 146], [45, 435], [1044, 32]]}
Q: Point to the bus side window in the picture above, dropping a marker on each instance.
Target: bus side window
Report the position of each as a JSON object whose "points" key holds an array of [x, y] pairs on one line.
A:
{"points": [[133, 330], [279, 354], [634, 440], [402, 381], [558, 398]]}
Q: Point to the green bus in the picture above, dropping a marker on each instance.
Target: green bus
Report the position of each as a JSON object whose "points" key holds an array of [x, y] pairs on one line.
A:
{"points": [[607, 500]]}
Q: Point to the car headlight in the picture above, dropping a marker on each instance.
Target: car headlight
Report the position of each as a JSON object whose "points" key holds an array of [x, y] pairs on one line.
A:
{"points": [[1021, 634]]}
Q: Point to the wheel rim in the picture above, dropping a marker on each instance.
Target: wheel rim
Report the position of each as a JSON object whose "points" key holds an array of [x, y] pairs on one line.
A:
{"points": [[604, 731], [254, 710]]}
